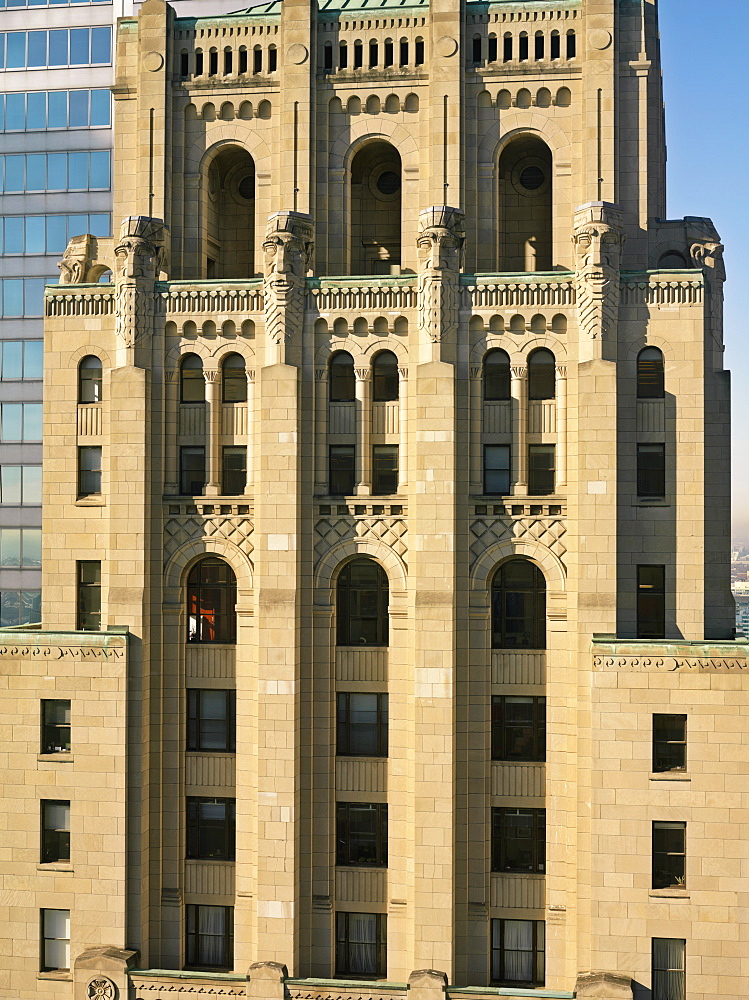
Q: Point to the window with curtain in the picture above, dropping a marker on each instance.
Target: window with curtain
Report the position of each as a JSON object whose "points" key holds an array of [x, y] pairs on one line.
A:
{"points": [[496, 376], [519, 840], [210, 720], [210, 936], [234, 380], [89, 380], [518, 606], [541, 375], [191, 381], [385, 377], [55, 940], [211, 602], [669, 969], [518, 952], [362, 604], [650, 374], [361, 942], [341, 378]]}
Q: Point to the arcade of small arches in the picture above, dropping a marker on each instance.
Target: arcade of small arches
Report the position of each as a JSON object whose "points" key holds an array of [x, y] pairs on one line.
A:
{"points": [[517, 597]]}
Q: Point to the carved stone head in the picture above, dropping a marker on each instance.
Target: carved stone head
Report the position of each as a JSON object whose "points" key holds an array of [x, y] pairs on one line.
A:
{"points": [[441, 239], [288, 246], [598, 238], [705, 247], [140, 252]]}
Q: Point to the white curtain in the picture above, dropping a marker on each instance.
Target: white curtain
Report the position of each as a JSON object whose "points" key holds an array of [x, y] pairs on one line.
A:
{"points": [[212, 934], [669, 980], [57, 939], [518, 950], [362, 942]]}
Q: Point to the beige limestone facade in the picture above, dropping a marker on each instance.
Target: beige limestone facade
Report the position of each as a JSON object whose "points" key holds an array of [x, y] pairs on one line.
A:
{"points": [[404, 402]]}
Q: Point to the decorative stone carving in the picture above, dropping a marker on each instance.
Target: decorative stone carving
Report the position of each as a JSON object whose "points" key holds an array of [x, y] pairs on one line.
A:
{"points": [[706, 250], [604, 985], [179, 531], [713, 664], [392, 531], [81, 263], [598, 239], [440, 246], [101, 989], [288, 247], [487, 531], [140, 255]]}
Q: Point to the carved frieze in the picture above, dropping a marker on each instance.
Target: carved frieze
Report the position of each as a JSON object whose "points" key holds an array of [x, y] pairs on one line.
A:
{"points": [[180, 531], [548, 531], [714, 664], [391, 531]]}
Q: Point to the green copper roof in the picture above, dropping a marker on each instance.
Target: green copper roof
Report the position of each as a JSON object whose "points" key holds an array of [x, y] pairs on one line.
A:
{"points": [[334, 6]]}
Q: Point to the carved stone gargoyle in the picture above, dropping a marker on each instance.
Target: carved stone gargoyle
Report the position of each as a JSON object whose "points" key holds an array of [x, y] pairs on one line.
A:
{"points": [[288, 249], [598, 237], [85, 259], [440, 246]]}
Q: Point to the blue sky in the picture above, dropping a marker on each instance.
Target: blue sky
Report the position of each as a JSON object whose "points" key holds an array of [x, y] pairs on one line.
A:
{"points": [[705, 52]]}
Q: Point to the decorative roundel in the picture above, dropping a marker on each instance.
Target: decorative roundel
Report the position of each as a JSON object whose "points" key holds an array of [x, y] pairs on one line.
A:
{"points": [[102, 989], [297, 53], [388, 182], [531, 178], [246, 187], [153, 61]]}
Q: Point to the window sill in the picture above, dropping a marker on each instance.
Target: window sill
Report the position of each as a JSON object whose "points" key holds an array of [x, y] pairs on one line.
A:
{"points": [[651, 502], [669, 894], [670, 776], [63, 976], [55, 866], [63, 757], [91, 501]]}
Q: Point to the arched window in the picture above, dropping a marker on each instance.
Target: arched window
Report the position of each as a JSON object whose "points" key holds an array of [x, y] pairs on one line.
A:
{"points": [[362, 604], [341, 378], [191, 381], [496, 376], [89, 380], [525, 200], [376, 201], [234, 380], [211, 602], [518, 606], [384, 377], [650, 375], [541, 379]]}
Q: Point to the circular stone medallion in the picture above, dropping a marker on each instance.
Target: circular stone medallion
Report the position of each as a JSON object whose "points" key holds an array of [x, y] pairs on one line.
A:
{"points": [[599, 38], [153, 61], [447, 46], [297, 53], [101, 989]]}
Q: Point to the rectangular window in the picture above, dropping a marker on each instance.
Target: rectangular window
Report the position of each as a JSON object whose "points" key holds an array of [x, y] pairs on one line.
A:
{"points": [[20, 422], [45, 234], [21, 485], [519, 840], [73, 171], [56, 47], [89, 470], [669, 855], [540, 470], [496, 469], [20, 607], [518, 728], [55, 945], [669, 743], [89, 596], [210, 720], [192, 476], [518, 952], [361, 944], [651, 470], [669, 969], [55, 831], [20, 359], [23, 297], [20, 548], [233, 471], [362, 834], [55, 714], [651, 602], [362, 725], [56, 109], [341, 469], [384, 469], [211, 828], [209, 937]]}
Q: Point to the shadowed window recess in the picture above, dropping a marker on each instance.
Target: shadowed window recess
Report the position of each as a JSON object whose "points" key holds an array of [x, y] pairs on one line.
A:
{"points": [[384, 377], [211, 602], [650, 374], [669, 742], [89, 595], [525, 200], [669, 855], [341, 378], [209, 937], [518, 728], [517, 952], [651, 470], [362, 725], [234, 379], [233, 470], [497, 469], [376, 209], [519, 840], [55, 735], [362, 834], [496, 376], [361, 944], [384, 469], [541, 375], [210, 720], [362, 595], [192, 470], [518, 606], [191, 380], [211, 829], [341, 469], [651, 602]]}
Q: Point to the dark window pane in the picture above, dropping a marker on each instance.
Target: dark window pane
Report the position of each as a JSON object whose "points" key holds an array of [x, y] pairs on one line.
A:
{"points": [[669, 742], [518, 952], [518, 728], [234, 380], [210, 720], [651, 470], [89, 470], [361, 944], [361, 833], [384, 469], [496, 469], [362, 604], [341, 378], [669, 855], [385, 377], [192, 474], [541, 376], [234, 470], [209, 936], [211, 602], [55, 726], [89, 596], [651, 602], [342, 470], [89, 380], [496, 376], [669, 969], [540, 469], [650, 374], [211, 829], [55, 831], [362, 725], [519, 840], [519, 606], [192, 382]]}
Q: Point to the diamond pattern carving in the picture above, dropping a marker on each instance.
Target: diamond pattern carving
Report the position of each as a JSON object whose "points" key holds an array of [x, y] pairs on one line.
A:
{"points": [[391, 531], [178, 531], [546, 531]]}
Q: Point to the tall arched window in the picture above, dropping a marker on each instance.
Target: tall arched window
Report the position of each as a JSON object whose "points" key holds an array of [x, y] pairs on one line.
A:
{"points": [[518, 606], [375, 231], [341, 378], [496, 376], [234, 380], [191, 381], [211, 602], [525, 200], [650, 374], [89, 380], [362, 604], [541, 377], [384, 377]]}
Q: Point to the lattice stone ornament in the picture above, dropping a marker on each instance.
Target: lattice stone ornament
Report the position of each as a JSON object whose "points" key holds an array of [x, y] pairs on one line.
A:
{"points": [[391, 531], [548, 532], [101, 989], [179, 531]]}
